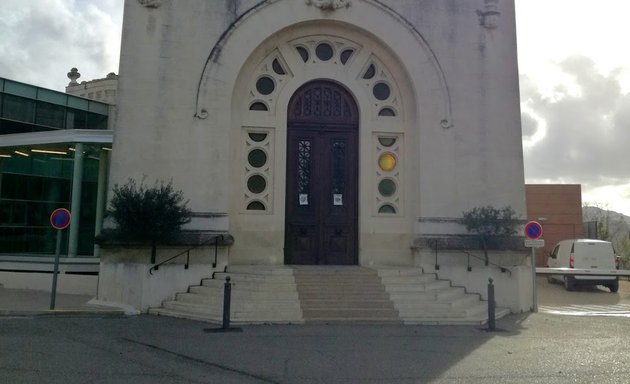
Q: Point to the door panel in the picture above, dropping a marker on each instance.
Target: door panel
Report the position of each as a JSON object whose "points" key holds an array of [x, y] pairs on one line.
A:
{"points": [[322, 172]]}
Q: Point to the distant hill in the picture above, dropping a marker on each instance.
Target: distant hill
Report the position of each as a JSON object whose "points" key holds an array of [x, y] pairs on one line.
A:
{"points": [[618, 224]]}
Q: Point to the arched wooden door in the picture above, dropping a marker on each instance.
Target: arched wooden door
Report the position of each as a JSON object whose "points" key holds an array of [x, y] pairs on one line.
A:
{"points": [[321, 222]]}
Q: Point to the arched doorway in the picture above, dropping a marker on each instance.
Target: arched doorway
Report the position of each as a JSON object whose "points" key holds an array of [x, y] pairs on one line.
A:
{"points": [[321, 216]]}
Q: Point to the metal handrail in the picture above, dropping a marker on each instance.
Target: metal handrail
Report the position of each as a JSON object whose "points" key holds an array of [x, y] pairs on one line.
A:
{"points": [[187, 252], [501, 267]]}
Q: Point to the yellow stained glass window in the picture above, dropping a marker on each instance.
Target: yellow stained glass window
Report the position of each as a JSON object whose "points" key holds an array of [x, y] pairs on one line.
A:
{"points": [[387, 161]]}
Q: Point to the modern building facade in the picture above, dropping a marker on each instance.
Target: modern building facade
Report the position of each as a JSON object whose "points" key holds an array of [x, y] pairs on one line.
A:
{"points": [[53, 154], [558, 208], [324, 132]]}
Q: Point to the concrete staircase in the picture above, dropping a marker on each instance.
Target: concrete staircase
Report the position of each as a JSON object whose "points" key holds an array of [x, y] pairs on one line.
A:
{"points": [[329, 295], [337, 294]]}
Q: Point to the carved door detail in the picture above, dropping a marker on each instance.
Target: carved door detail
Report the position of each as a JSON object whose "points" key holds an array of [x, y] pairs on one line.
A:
{"points": [[322, 176]]}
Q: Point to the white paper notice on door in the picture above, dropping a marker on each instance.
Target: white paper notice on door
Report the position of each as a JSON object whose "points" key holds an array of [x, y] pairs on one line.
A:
{"points": [[337, 199], [303, 199]]}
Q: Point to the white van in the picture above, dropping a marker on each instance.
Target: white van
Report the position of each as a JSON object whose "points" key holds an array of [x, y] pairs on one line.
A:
{"points": [[584, 254]]}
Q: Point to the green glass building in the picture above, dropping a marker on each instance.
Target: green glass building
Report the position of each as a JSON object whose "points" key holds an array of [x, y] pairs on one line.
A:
{"points": [[53, 154]]}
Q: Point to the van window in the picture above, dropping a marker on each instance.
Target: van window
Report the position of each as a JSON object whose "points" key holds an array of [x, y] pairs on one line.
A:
{"points": [[572, 247], [554, 253]]}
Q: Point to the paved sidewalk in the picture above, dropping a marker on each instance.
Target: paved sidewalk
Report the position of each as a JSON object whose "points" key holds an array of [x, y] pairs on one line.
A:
{"points": [[28, 302]]}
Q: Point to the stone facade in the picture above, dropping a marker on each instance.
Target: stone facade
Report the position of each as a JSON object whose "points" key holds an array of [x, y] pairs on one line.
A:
{"points": [[200, 81]]}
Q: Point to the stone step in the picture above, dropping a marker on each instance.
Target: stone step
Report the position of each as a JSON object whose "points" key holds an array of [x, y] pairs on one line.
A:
{"points": [[426, 287], [393, 271], [219, 320], [404, 280], [432, 295], [254, 294], [461, 303], [246, 277], [250, 285], [384, 313], [236, 301], [346, 304], [237, 314], [353, 320], [268, 270]]}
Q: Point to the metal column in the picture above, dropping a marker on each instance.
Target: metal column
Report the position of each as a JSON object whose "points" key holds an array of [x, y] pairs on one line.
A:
{"points": [[75, 207], [101, 190]]}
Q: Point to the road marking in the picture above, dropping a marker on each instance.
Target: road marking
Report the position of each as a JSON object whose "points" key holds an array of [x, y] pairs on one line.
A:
{"points": [[619, 310]]}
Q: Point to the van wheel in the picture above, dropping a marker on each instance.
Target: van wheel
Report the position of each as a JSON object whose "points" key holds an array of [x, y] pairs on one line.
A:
{"points": [[568, 283], [613, 287]]}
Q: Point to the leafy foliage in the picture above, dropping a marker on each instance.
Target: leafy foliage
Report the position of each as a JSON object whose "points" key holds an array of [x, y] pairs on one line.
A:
{"points": [[490, 224], [148, 214]]}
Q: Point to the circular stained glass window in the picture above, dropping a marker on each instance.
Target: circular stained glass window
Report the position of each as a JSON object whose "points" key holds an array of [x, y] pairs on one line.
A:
{"points": [[256, 184], [381, 91], [257, 158], [387, 209], [387, 161], [265, 85], [387, 187], [255, 206], [324, 51]]}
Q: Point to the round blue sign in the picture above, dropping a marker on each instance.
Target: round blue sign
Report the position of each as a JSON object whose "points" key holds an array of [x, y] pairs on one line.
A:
{"points": [[60, 218], [533, 230]]}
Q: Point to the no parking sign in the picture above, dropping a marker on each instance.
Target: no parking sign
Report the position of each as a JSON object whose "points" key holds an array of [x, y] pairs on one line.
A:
{"points": [[60, 218]]}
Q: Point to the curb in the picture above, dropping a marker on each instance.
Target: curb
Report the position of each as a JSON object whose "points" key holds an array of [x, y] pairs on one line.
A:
{"points": [[62, 313]]}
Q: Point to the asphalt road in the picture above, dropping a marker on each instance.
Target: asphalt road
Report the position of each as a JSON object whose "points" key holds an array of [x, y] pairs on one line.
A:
{"points": [[528, 348]]}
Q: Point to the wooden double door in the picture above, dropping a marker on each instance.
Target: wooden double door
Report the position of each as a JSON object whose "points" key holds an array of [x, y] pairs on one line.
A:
{"points": [[321, 222]]}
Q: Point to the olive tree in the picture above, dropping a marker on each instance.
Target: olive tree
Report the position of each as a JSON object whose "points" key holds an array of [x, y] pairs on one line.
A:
{"points": [[491, 225], [148, 214]]}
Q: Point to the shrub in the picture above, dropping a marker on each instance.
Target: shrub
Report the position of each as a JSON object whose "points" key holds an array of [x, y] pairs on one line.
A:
{"points": [[490, 224], [148, 214]]}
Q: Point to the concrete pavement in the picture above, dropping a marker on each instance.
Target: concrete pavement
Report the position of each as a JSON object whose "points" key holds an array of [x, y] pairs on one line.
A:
{"points": [[526, 348], [28, 302]]}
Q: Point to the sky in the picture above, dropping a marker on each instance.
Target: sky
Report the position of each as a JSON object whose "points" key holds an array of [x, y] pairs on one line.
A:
{"points": [[574, 66]]}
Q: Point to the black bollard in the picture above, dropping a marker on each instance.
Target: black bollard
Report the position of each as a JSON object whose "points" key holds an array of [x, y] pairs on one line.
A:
{"points": [[491, 305], [227, 297]]}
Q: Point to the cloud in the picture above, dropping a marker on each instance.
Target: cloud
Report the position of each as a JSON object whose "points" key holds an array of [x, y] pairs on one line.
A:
{"points": [[587, 127], [43, 39]]}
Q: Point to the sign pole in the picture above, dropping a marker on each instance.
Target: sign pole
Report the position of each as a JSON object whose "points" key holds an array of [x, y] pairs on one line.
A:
{"points": [[533, 232], [59, 219], [53, 293], [535, 294]]}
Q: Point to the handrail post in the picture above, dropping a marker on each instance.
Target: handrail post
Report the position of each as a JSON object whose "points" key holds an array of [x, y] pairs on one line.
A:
{"points": [[216, 249], [187, 259], [227, 297], [491, 306], [437, 266]]}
